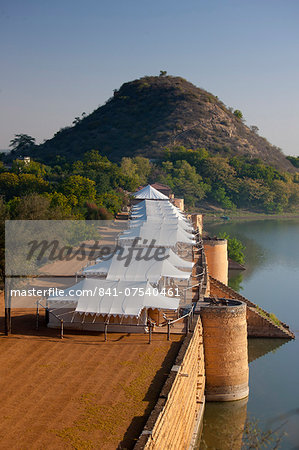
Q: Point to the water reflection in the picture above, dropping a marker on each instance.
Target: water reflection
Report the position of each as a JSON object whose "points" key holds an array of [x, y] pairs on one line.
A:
{"points": [[235, 279], [223, 425], [258, 347], [265, 240], [271, 280]]}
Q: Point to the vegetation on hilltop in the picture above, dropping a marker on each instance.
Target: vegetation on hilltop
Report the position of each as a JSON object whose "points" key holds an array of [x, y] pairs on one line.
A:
{"points": [[294, 160], [146, 115]]}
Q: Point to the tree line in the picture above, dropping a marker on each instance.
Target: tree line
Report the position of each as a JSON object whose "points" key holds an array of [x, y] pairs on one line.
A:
{"points": [[95, 187]]}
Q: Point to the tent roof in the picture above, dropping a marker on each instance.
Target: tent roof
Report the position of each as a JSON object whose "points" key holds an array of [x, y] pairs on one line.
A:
{"points": [[164, 235], [177, 261], [101, 267], [147, 209], [150, 193], [151, 270], [170, 220], [98, 297], [141, 270]]}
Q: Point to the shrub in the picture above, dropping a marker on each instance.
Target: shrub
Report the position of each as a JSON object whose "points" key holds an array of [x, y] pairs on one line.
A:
{"points": [[238, 114]]}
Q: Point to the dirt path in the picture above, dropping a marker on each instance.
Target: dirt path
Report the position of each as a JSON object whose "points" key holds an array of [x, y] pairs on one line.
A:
{"points": [[79, 392]]}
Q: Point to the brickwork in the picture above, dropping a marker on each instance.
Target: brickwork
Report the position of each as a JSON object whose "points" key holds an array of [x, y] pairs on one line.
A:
{"points": [[217, 260], [172, 423], [225, 349], [197, 221], [179, 203]]}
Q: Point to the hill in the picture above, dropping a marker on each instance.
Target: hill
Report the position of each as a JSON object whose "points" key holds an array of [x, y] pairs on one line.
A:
{"points": [[145, 115]]}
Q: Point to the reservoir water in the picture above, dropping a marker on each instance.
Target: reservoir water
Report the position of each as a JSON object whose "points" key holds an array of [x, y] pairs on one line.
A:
{"points": [[271, 280]]}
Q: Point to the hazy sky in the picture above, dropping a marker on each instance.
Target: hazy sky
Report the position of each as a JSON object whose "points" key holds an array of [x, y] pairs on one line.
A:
{"points": [[60, 58]]}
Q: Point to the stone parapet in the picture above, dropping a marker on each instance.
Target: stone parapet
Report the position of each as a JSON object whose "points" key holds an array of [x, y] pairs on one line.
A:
{"points": [[175, 420]]}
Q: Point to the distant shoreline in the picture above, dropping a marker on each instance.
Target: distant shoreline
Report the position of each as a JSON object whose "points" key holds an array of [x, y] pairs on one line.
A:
{"points": [[243, 216]]}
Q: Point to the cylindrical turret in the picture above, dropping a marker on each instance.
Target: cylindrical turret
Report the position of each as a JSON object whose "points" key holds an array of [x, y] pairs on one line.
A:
{"points": [[217, 260], [197, 222], [179, 203], [225, 346]]}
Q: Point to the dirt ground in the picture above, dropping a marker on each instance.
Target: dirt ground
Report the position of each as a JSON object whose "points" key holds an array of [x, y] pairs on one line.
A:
{"points": [[79, 392]]}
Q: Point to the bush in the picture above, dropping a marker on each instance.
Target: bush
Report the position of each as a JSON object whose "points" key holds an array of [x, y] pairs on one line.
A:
{"points": [[235, 248], [238, 114]]}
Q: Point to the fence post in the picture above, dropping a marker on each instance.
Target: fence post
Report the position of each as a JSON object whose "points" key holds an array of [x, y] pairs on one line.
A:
{"points": [[61, 329], [37, 315], [168, 330], [7, 320], [106, 329], [47, 314], [150, 333]]}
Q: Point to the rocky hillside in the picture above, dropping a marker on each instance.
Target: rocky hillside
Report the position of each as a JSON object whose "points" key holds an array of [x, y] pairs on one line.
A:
{"points": [[145, 115]]}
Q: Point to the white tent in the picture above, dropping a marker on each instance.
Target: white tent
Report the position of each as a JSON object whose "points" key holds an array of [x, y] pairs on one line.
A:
{"points": [[148, 209], [151, 226], [100, 268], [151, 270], [70, 295], [163, 235], [176, 261], [169, 220], [150, 193], [115, 298]]}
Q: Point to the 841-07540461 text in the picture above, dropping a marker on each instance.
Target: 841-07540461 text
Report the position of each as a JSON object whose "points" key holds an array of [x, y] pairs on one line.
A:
{"points": [[135, 292], [97, 291]]}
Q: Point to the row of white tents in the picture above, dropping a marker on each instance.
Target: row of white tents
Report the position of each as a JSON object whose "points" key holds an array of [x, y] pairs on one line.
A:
{"points": [[116, 288]]}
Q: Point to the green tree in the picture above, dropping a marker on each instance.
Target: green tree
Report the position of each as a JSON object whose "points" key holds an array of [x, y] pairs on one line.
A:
{"points": [[29, 183], [254, 193], [9, 184], [58, 200], [22, 142], [235, 248], [219, 195], [2, 167], [111, 201], [218, 170], [184, 181], [34, 167], [129, 169], [4, 214], [128, 166], [35, 207], [238, 114], [294, 160], [143, 168], [79, 188]]}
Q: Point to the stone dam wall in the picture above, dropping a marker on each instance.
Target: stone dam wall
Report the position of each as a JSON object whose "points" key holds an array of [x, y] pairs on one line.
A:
{"points": [[213, 360], [175, 420]]}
